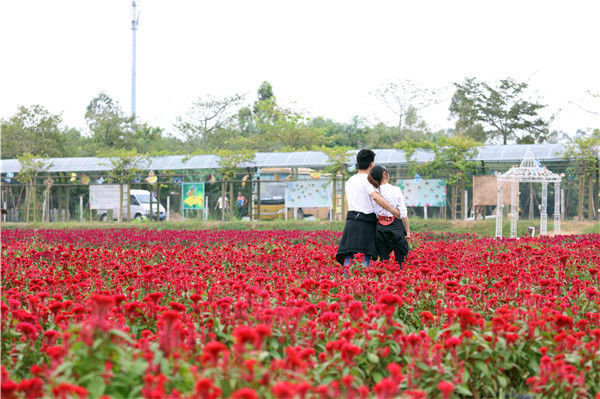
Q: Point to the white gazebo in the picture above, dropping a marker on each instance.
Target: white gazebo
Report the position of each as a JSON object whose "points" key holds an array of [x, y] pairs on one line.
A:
{"points": [[530, 171]]}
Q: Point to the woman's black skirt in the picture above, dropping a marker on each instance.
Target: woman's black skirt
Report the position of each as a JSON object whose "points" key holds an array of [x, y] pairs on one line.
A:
{"points": [[358, 236], [391, 238]]}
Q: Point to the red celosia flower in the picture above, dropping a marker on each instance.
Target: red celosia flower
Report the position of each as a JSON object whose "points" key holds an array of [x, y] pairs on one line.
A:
{"points": [[101, 305], [206, 389], [284, 390], [355, 309], [426, 317], [386, 388], [445, 388], [452, 342], [349, 351], [245, 335], [177, 306], [244, 393], [28, 330], [66, 391], [211, 351], [32, 387], [169, 334]]}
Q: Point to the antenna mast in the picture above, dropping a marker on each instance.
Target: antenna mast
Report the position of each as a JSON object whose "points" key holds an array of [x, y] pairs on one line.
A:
{"points": [[135, 18]]}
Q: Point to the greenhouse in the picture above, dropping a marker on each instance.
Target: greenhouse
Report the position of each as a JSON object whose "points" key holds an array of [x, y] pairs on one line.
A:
{"points": [[66, 188]]}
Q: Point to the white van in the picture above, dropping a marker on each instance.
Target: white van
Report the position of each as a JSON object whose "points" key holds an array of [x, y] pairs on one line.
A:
{"points": [[140, 207]]}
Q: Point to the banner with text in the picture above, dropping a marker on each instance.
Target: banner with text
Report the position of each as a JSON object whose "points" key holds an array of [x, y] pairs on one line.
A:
{"points": [[106, 196]]}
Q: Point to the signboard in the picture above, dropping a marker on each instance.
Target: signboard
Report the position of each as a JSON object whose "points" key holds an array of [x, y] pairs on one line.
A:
{"points": [[308, 194], [420, 192], [106, 196], [485, 191], [192, 195]]}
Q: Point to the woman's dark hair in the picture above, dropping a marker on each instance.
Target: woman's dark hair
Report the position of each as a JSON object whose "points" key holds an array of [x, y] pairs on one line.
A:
{"points": [[376, 175], [364, 159]]}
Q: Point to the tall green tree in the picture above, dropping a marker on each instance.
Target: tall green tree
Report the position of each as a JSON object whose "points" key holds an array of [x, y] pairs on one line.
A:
{"points": [[281, 129], [582, 154], [338, 158], [150, 139], [125, 164], [209, 121], [405, 99], [31, 167], [110, 127], [502, 110], [230, 161], [35, 130], [453, 158], [462, 108]]}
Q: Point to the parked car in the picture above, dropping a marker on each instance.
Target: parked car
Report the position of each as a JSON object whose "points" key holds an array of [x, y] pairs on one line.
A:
{"points": [[140, 207]]}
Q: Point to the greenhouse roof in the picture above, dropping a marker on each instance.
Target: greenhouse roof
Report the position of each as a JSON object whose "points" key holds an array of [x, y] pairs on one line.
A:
{"points": [[307, 159]]}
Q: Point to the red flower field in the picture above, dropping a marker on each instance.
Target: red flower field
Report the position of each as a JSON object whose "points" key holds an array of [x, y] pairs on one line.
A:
{"points": [[132, 313]]}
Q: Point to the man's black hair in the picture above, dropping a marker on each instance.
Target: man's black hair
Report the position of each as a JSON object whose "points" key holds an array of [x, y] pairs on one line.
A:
{"points": [[364, 159]]}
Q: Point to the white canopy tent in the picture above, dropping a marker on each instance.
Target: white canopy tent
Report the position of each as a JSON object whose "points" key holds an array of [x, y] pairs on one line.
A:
{"points": [[529, 171]]}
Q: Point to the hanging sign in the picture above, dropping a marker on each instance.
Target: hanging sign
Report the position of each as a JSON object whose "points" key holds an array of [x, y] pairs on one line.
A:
{"points": [[420, 192], [308, 194], [192, 195]]}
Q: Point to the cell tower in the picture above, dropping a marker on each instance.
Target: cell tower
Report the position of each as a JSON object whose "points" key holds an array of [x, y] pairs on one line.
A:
{"points": [[135, 19]]}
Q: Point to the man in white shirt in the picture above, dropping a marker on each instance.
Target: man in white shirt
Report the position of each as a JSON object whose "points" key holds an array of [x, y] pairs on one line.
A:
{"points": [[361, 221], [219, 205]]}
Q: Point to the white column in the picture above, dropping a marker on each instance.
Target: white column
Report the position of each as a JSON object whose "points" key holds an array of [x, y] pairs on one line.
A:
{"points": [[563, 205], [514, 208], [466, 203], [557, 207], [543, 212], [81, 208], [168, 207], [499, 210], [205, 210], [425, 212]]}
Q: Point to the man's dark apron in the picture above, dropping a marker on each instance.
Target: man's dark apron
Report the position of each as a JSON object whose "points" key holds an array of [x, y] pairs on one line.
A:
{"points": [[359, 236]]}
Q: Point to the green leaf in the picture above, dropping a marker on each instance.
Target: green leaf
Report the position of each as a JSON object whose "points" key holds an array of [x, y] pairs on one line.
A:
{"points": [[502, 380], [63, 367], [482, 367], [373, 358], [461, 389], [97, 343], [122, 334], [466, 375], [135, 392], [96, 386], [138, 367], [377, 376]]}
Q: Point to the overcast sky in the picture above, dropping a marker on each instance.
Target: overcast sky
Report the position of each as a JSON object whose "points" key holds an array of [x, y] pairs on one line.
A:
{"points": [[323, 57]]}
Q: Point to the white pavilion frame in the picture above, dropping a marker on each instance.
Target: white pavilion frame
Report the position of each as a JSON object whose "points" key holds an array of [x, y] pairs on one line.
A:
{"points": [[530, 171]]}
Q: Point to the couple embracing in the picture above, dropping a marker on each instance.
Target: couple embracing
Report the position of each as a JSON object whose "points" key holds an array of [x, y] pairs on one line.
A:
{"points": [[376, 222]]}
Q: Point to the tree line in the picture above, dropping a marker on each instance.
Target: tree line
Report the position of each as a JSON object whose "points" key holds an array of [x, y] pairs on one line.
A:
{"points": [[235, 129], [482, 112]]}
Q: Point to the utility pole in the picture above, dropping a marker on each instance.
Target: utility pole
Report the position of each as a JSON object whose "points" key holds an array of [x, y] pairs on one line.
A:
{"points": [[135, 18]]}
